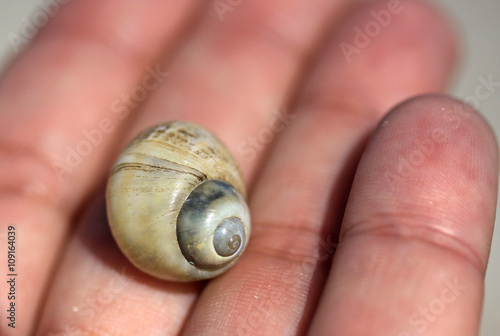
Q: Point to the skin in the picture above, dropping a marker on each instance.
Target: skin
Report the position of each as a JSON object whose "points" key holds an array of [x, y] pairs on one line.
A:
{"points": [[383, 198]]}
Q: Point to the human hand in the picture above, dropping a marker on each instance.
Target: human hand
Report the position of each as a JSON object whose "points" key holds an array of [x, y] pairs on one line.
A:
{"points": [[416, 232]]}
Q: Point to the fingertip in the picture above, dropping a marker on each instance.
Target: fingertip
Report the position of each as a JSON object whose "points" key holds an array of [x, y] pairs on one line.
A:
{"points": [[383, 53], [456, 132], [433, 160], [397, 49], [446, 113]]}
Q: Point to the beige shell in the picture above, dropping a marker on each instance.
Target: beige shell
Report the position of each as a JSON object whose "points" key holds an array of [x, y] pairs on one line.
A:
{"points": [[176, 206]]}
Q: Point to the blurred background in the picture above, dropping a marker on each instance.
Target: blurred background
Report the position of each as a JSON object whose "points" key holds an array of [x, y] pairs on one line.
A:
{"points": [[477, 23]]}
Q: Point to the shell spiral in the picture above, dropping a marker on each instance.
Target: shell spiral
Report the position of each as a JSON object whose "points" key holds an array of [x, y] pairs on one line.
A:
{"points": [[176, 203]]}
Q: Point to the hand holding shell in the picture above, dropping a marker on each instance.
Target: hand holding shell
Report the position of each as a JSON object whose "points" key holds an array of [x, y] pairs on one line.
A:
{"points": [[175, 203]]}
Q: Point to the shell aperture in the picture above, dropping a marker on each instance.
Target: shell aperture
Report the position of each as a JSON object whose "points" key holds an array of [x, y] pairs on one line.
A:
{"points": [[211, 220]]}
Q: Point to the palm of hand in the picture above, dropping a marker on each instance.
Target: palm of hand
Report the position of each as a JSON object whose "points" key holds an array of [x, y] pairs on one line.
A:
{"points": [[416, 230]]}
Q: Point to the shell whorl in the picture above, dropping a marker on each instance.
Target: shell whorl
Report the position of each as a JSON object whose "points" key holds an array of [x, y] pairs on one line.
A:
{"points": [[155, 185]]}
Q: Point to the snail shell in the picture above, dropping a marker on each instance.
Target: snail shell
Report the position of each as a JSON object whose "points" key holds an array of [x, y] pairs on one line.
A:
{"points": [[176, 205]]}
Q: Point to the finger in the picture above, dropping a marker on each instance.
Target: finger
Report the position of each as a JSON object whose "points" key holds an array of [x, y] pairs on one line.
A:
{"points": [[57, 122], [102, 293], [417, 230], [298, 201], [230, 49]]}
